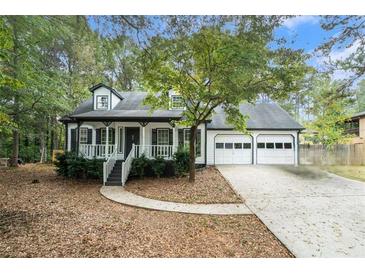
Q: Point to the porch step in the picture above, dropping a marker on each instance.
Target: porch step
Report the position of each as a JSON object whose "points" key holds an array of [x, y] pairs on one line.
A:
{"points": [[115, 177], [116, 183]]}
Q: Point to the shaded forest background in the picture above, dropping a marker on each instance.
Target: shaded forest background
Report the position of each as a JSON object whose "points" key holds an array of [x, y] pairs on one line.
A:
{"points": [[47, 64]]}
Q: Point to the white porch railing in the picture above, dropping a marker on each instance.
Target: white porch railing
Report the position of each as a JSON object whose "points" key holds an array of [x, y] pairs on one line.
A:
{"points": [[153, 151], [108, 165], [98, 151], [126, 165]]}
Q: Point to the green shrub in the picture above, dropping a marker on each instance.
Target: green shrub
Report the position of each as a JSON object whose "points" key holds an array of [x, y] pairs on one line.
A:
{"points": [[181, 159], [139, 165], [73, 166], [158, 166]]}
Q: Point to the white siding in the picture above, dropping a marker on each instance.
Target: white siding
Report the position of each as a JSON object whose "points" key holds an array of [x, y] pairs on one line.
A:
{"points": [[104, 91]]}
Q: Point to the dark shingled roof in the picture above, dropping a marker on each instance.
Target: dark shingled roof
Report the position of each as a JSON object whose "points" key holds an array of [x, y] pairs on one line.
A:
{"points": [[262, 116], [358, 115]]}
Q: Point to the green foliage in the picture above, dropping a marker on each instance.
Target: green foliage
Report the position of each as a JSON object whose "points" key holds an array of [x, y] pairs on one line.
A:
{"points": [[72, 166], [350, 33], [328, 107], [181, 159], [360, 96], [47, 64], [212, 66], [139, 165], [158, 166]]}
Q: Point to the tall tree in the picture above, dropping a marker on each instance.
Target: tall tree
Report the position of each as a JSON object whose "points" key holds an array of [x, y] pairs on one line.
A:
{"points": [[214, 65], [329, 110], [350, 36], [360, 96]]}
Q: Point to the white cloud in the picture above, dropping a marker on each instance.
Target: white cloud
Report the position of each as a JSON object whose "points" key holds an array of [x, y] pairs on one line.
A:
{"points": [[294, 22], [321, 62]]}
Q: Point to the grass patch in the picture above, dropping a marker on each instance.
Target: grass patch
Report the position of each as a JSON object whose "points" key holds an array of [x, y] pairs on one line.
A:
{"points": [[351, 172]]}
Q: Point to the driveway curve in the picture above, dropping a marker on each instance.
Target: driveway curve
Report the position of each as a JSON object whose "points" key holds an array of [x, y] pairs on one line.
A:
{"points": [[312, 212], [120, 195]]}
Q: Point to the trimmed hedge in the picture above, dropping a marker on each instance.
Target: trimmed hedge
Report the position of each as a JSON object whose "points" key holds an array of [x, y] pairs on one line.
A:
{"points": [[72, 166], [159, 167]]}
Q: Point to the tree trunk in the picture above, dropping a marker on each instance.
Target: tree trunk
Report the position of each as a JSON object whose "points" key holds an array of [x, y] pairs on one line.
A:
{"points": [[193, 133], [15, 148], [16, 110]]}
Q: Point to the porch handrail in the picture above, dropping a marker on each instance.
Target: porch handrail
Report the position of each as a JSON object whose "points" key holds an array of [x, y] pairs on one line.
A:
{"points": [[126, 165], [153, 151], [108, 165], [97, 150]]}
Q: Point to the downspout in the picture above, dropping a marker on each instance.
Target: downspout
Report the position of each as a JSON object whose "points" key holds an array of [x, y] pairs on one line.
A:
{"points": [[78, 138], [66, 137], [206, 144], [298, 148]]}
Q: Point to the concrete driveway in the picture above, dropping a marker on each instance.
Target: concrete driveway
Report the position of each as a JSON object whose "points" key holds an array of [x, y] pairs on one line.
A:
{"points": [[313, 213]]}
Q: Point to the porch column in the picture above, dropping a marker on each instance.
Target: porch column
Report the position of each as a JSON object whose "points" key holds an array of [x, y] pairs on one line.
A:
{"points": [[107, 124], [107, 142], [174, 145], [143, 124], [143, 136], [78, 138]]}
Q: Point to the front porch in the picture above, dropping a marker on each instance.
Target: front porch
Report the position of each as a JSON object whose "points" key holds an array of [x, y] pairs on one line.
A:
{"points": [[102, 140], [118, 142]]}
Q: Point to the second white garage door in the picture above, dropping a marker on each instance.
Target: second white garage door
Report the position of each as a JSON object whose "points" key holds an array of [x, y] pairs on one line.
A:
{"points": [[275, 149], [233, 149]]}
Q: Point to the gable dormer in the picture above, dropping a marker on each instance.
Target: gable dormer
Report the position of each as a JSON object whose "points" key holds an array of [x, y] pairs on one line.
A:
{"points": [[176, 101], [104, 97]]}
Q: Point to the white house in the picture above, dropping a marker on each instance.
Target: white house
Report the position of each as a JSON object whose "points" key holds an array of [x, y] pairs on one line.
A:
{"points": [[117, 126]]}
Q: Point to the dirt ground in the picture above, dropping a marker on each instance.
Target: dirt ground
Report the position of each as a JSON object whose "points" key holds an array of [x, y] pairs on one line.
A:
{"points": [[209, 187], [64, 218]]}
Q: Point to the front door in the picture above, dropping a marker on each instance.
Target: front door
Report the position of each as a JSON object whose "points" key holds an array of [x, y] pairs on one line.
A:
{"points": [[131, 137]]}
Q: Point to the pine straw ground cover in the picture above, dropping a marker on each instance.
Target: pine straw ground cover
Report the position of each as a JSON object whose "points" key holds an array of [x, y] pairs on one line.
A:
{"points": [[209, 187], [63, 218]]}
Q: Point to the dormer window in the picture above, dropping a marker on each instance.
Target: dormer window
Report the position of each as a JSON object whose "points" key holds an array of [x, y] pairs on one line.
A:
{"points": [[177, 102], [102, 102]]}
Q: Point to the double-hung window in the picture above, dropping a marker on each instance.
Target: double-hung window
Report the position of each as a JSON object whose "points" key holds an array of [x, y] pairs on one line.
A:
{"points": [[102, 102], [103, 136], [83, 135], [162, 136], [186, 141]]}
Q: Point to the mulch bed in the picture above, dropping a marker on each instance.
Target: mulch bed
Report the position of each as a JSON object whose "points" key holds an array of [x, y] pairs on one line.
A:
{"points": [[64, 218], [209, 187]]}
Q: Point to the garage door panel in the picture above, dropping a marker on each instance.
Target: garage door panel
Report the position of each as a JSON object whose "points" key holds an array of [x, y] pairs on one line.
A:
{"points": [[278, 149], [233, 150]]}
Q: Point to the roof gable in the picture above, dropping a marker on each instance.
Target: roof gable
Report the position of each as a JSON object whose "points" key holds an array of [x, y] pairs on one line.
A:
{"points": [[97, 86]]}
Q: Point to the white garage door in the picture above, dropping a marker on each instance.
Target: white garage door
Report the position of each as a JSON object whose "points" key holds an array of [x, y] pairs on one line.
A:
{"points": [[275, 149], [233, 149]]}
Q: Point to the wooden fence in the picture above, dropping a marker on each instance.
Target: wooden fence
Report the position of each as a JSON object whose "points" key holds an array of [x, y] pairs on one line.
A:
{"points": [[338, 155]]}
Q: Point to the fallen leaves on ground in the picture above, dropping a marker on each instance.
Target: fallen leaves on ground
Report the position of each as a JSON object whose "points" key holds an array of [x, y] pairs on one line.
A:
{"points": [[68, 218], [209, 187]]}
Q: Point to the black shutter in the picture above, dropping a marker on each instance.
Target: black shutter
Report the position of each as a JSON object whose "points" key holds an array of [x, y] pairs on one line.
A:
{"points": [[98, 136], [154, 136], [89, 136], [170, 137], [111, 135], [73, 140], [198, 143], [180, 137]]}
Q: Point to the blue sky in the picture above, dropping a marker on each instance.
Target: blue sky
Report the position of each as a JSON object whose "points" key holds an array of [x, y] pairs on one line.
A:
{"points": [[301, 32]]}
